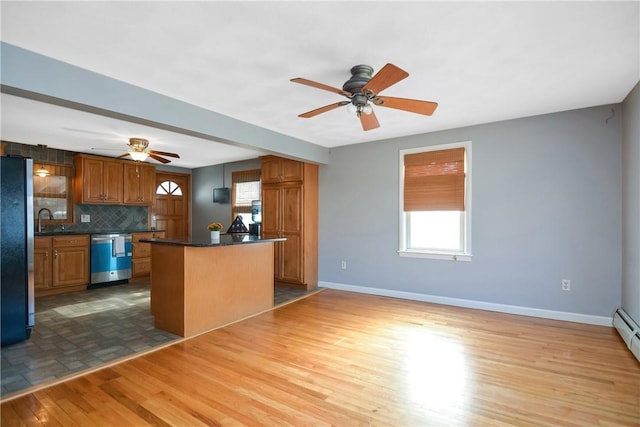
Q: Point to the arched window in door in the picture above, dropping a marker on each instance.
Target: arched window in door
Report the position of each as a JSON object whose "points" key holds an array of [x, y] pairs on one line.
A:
{"points": [[169, 187]]}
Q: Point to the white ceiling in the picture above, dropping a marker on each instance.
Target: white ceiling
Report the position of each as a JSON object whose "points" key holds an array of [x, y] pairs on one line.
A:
{"points": [[481, 61]]}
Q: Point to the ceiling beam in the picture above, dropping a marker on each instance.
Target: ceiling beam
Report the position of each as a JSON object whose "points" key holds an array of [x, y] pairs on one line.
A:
{"points": [[38, 77]]}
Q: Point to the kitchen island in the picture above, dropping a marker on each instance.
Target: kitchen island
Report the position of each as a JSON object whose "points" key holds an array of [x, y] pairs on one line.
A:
{"points": [[200, 284]]}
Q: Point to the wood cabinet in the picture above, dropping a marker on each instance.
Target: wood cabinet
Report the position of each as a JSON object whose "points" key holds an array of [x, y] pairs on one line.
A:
{"points": [[290, 210], [98, 180], [61, 264], [277, 169], [141, 257], [42, 263], [139, 183]]}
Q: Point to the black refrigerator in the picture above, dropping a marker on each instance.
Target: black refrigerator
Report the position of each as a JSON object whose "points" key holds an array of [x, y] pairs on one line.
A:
{"points": [[16, 247]]}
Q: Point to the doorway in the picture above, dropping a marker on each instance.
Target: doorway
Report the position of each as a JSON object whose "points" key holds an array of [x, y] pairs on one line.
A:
{"points": [[172, 206]]}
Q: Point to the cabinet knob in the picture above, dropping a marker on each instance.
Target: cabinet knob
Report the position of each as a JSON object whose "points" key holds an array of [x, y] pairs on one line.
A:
{"points": [[55, 254]]}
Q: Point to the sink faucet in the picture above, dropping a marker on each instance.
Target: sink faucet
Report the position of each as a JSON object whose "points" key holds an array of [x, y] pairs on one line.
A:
{"points": [[50, 218]]}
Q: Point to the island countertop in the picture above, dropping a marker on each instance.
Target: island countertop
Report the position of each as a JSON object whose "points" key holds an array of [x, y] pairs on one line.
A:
{"points": [[205, 241]]}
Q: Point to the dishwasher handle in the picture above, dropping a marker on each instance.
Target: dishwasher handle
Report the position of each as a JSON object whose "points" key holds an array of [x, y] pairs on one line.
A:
{"points": [[101, 240]]}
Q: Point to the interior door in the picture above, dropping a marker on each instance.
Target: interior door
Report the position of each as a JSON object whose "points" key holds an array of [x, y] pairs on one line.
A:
{"points": [[172, 204]]}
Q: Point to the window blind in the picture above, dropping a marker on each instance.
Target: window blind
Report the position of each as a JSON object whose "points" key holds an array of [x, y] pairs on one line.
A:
{"points": [[434, 180], [246, 188]]}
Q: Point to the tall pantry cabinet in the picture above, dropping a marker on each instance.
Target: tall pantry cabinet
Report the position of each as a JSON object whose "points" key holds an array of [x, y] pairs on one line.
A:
{"points": [[290, 210]]}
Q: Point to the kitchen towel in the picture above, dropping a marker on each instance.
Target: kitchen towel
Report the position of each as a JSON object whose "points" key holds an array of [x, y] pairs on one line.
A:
{"points": [[118, 246]]}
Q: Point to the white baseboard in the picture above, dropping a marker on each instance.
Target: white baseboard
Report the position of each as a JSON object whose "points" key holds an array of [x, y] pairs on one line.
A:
{"points": [[480, 305]]}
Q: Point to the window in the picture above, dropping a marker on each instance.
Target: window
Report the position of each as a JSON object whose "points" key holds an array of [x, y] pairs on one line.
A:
{"points": [[435, 202], [169, 187], [245, 189]]}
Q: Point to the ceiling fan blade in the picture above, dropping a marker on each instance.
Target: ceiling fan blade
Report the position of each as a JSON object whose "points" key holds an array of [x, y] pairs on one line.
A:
{"points": [[158, 158], [163, 153], [412, 105], [323, 109], [123, 155], [321, 86], [387, 76], [369, 121]]}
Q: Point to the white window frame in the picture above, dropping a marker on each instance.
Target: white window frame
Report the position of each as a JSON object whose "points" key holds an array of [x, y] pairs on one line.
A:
{"points": [[465, 254]]}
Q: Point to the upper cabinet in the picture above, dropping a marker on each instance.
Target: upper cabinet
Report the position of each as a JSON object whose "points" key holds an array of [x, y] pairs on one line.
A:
{"points": [[105, 181], [54, 193], [98, 180], [139, 183], [278, 169]]}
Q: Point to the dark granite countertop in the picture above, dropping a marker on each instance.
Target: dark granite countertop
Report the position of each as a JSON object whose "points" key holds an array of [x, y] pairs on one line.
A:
{"points": [[205, 240], [76, 233]]}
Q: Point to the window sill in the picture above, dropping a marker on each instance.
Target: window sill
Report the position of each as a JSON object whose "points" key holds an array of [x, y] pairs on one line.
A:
{"points": [[435, 255]]}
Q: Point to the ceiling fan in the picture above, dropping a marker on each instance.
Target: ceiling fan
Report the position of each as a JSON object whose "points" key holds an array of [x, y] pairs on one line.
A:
{"points": [[139, 151], [362, 90]]}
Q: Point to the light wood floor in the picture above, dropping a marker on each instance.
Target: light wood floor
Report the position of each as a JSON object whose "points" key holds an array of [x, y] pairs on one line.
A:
{"points": [[346, 359]]}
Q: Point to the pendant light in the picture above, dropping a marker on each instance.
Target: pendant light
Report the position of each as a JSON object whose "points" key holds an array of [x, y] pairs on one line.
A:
{"points": [[42, 172]]}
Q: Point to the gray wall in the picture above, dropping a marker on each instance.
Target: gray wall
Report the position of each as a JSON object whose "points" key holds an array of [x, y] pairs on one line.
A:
{"points": [[631, 204], [546, 206], [204, 180]]}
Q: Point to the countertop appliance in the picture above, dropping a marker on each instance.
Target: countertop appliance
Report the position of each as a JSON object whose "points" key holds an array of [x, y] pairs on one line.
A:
{"points": [[16, 242], [110, 257]]}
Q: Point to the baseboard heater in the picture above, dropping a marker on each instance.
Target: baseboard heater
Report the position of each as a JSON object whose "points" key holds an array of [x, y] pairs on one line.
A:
{"points": [[628, 330]]}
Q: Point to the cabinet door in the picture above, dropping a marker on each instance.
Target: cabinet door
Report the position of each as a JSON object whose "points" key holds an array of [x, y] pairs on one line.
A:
{"points": [[42, 268], [291, 206], [139, 184], [112, 181], [140, 267], [291, 264], [92, 181], [271, 211], [270, 170], [70, 266], [140, 249], [131, 184], [291, 170], [148, 185]]}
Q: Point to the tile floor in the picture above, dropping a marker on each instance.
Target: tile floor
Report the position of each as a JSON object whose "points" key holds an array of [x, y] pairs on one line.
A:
{"points": [[81, 330]]}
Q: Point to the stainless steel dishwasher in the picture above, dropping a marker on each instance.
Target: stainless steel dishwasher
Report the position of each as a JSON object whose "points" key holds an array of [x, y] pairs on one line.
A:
{"points": [[110, 257]]}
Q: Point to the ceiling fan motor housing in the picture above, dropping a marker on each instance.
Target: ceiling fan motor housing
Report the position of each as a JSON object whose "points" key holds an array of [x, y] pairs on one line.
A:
{"points": [[360, 76], [138, 144]]}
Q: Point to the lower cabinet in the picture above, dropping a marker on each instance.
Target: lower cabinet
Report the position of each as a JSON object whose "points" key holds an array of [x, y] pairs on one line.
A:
{"points": [[42, 264], [141, 257], [61, 264]]}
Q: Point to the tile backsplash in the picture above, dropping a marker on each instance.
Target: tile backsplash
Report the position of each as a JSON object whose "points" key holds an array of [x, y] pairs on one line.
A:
{"points": [[106, 217]]}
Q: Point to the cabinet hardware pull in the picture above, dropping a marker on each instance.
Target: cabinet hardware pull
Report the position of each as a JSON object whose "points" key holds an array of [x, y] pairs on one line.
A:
{"points": [[55, 254]]}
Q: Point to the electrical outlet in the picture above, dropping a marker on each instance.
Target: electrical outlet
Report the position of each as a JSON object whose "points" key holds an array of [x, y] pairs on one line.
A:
{"points": [[85, 218], [343, 265], [566, 284]]}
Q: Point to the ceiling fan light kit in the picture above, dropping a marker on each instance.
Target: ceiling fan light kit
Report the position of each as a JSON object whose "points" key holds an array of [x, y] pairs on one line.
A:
{"points": [[363, 88], [138, 156]]}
